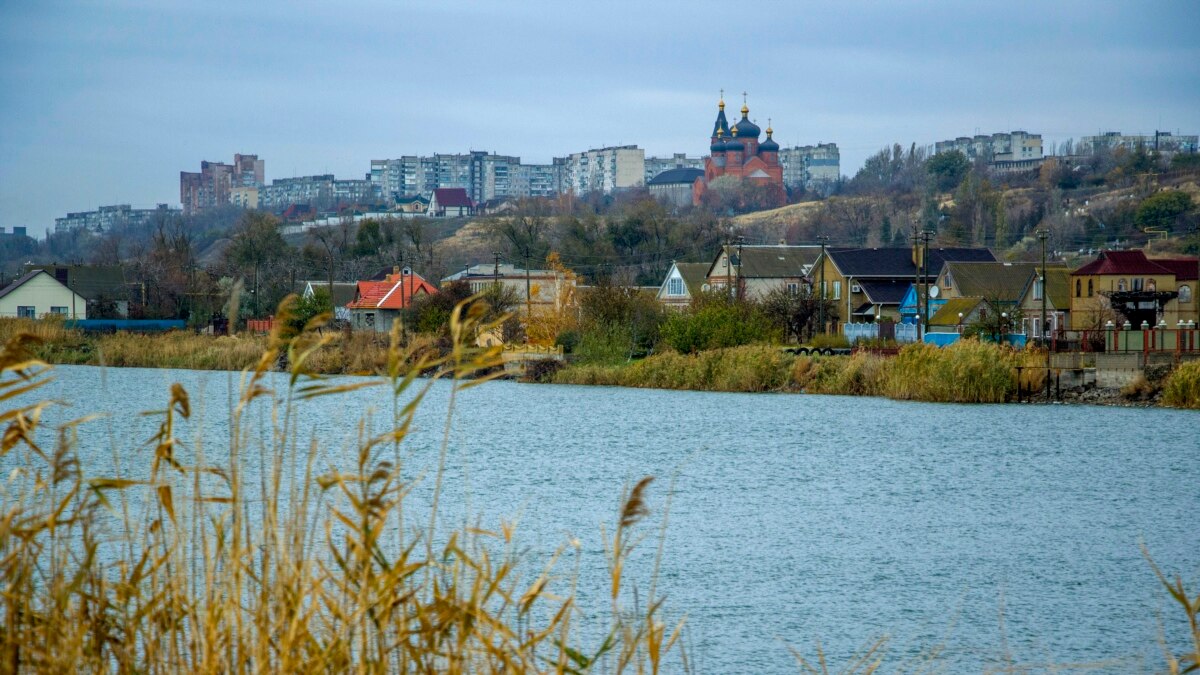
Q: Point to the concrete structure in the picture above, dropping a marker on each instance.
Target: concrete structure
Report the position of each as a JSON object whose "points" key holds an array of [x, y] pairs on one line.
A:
{"points": [[534, 180], [321, 192], [109, 218], [1161, 141], [736, 153], [484, 175], [244, 197], [1003, 152], [602, 169], [678, 160], [37, 294], [815, 168], [212, 186], [675, 186]]}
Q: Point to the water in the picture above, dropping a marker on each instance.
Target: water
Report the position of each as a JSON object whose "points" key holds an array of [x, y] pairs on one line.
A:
{"points": [[799, 518]]}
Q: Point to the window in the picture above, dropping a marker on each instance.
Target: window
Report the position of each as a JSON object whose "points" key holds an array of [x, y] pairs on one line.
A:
{"points": [[1121, 286], [793, 288], [675, 286], [1078, 287], [59, 310], [1185, 293], [1037, 289], [1151, 285], [27, 312], [1089, 288], [1137, 284], [837, 290]]}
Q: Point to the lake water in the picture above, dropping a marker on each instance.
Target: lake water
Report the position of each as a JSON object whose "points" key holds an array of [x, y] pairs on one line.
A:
{"points": [[799, 518]]}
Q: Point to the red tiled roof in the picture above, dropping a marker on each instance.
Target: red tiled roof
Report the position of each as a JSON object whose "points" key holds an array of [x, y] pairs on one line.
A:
{"points": [[452, 197], [391, 293], [1121, 262], [1184, 268]]}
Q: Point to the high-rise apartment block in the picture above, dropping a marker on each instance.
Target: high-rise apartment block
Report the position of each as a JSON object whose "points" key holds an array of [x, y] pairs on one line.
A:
{"points": [[109, 218], [483, 175], [812, 167], [1012, 151], [679, 160], [602, 169], [212, 186], [1159, 141]]}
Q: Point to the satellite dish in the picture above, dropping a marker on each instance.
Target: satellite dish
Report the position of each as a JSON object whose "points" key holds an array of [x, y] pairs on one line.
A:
{"points": [[933, 291]]}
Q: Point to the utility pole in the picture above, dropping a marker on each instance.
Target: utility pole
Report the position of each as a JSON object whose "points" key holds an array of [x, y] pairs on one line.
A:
{"points": [[821, 304], [496, 268], [528, 286], [739, 293], [1042, 236], [403, 304], [916, 242], [926, 235]]}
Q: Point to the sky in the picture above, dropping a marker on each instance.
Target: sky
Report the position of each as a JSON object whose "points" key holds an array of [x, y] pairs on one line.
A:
{"points": [[106, 102]]}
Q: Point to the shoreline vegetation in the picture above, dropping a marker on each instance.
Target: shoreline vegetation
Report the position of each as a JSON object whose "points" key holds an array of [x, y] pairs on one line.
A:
{"points": [[179, 563], [968, 371]]}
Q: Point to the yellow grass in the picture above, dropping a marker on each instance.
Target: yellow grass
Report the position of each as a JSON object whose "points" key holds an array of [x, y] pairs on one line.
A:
{"points": [[303, 571]]}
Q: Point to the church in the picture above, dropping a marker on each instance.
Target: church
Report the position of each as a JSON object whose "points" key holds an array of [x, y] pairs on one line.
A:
{"points": [[735, 151]]}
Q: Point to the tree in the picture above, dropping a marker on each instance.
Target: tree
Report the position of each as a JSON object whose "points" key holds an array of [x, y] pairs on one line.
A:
{"points": [[1162, 209], [948, 169], [256, 243], [797, 313]]}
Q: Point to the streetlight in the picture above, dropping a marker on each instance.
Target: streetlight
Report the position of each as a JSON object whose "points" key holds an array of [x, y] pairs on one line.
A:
{"points": [[1003, 326], [960, 318]]}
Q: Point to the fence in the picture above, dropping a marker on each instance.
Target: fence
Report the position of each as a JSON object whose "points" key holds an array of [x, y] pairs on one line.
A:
{"points": [[127, 325], [906, 332], [860, 331], [260, 325]]}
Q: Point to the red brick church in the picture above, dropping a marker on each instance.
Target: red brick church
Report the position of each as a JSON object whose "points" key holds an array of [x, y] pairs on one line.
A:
{"points": [[735, 151]]}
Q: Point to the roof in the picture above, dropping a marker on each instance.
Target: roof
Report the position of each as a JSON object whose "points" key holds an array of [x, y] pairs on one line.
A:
{"points": [[771, 262], [1002, 281], [1184, 268], [343, 291], [488, 271], [89, 281], [948, 314], [885, 292], [20, 281], [452, 198], [1058, 286], [391, 293], [1121, 262], [412, 199], [677, 176], [897, 262], [693, 275]]}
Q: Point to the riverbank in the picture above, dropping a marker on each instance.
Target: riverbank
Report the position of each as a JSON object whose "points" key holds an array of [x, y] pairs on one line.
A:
{"points": [[965, 372]]}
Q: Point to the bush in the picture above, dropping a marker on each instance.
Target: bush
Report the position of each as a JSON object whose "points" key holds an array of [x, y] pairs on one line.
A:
{"points": [[1182, 387], [716, 322]]}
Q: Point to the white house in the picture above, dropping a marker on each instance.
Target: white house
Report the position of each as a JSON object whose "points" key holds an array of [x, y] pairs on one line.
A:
{"points": [[37, 294]]}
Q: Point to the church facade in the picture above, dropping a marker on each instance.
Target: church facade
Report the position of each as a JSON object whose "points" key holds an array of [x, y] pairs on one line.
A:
{"points": [[736, 151]]}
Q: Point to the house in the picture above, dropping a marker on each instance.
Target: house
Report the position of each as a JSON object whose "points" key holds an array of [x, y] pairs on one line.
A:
{"points": [[416, 205], [343, 293], [674, 186], [683, 282], [536, 290], [1186, 270], [497, 206], [451, 203], [1123, 286], [757, 270], [865, 284], [103, 286], [377, 304], [954, 315], [37, 293], [1015, 285]]}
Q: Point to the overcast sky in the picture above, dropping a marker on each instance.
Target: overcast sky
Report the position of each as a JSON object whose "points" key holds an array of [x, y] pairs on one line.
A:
{"points": [[105, 102]]}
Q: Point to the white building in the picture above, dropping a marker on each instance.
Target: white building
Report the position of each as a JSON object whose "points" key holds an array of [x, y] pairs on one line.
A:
{"points": [[813, 167], [1161, 141], [37, 294], [1012, 151], [107, 218], [534, 180], [602, 169], [678, 160]]}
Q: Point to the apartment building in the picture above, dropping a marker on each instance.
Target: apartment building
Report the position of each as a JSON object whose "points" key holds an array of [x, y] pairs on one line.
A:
{"points": [[602, 169], [534, 180], [813, 167], [483, 175], [1161, 141], [212, 186], [678, 160], [109, 218], [1003, 151]]}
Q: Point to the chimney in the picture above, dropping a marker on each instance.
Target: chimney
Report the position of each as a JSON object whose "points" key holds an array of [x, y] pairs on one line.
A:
{"points": [[395, 270]]}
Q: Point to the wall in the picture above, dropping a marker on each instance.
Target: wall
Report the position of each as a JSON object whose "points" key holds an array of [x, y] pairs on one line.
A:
{"points": [[42, 292]]}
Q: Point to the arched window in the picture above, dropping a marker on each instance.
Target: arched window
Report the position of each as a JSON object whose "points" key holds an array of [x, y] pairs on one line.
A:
{"points": [[1185, 293], [1150, 285], [1089, 288], [1120, 285], [1078, 288]]}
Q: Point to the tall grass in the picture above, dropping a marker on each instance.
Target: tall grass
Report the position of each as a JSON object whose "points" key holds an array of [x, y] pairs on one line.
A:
{"points": [[185, 565], [1182, 388]]}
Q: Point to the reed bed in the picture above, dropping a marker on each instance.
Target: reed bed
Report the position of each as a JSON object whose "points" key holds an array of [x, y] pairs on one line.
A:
{"points": [[968, 371], [181, 564]]}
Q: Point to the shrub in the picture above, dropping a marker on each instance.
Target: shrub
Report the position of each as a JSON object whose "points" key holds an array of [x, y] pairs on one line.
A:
{"points": [[1182, 387]]}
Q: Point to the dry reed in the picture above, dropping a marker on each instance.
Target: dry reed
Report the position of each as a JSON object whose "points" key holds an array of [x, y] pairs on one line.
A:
{"points": [[217, 574]]}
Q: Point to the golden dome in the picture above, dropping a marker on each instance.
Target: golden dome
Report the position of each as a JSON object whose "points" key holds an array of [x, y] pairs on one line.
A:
{"points": [[745, 110], [733, 131], [721, 105]]}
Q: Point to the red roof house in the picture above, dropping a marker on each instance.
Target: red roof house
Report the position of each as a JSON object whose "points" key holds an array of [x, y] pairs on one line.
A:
{"points": [[1121, 262], [376, 304], [451, 203]]}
